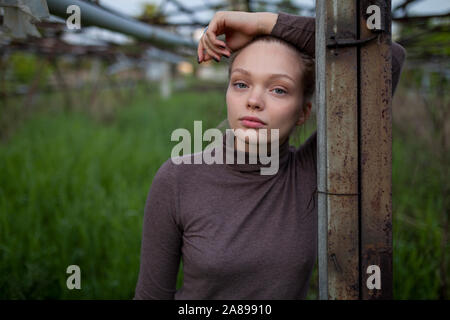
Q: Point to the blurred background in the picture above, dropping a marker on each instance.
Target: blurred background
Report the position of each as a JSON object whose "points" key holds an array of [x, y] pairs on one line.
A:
{"points": [[85, 122]]}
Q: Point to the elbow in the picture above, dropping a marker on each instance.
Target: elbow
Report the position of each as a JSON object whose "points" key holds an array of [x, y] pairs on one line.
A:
{"points": [[398, 59], [399, 53]]}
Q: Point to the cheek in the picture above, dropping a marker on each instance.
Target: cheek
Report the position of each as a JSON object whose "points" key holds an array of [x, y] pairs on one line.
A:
{"points": [[227, 98], [230, 108], [232, 102], [286, 117]]}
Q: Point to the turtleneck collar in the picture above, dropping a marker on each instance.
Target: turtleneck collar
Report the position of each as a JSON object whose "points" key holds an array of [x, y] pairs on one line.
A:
{"points": [[254, 168]]}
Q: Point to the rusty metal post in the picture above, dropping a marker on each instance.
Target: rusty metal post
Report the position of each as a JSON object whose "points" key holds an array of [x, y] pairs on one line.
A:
{"points": [[337, 150], [353, 91], [376, 151], [321, 99]]}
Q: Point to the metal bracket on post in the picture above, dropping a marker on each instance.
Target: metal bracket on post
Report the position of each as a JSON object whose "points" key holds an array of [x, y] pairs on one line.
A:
{"points": [[348, 40], [334, 42]]}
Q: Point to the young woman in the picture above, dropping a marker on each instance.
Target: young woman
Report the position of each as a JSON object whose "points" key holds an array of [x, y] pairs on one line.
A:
{"points": [[240, 234]]}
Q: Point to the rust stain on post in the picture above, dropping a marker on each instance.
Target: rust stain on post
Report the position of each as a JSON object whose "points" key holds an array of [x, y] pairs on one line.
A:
{"points": [[376, 153], [355, 150], [342, 153]]}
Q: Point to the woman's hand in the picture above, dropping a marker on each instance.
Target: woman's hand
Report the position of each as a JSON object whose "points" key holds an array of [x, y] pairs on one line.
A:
{"points": [[239, 28]]}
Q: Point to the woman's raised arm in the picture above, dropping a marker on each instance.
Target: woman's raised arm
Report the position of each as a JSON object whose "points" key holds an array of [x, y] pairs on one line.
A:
{"points": [[240, 27], [300, 31]]}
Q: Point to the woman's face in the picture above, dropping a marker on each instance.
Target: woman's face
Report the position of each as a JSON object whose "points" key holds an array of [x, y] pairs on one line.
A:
{"points": [[265, 83]]}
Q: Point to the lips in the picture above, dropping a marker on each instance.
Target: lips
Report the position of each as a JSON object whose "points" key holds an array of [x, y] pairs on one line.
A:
{"points": [[252, 122]]}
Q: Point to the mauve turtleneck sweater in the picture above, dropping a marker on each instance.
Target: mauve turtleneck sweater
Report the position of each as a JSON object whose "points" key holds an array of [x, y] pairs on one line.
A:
{"points": [[240, 234]]}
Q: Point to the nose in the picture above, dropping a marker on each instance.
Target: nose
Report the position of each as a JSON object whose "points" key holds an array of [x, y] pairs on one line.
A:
{"points": [[255, 100]]}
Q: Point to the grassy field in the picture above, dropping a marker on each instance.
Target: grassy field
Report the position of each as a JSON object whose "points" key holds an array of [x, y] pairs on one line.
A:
{"points": [[73, 188]]}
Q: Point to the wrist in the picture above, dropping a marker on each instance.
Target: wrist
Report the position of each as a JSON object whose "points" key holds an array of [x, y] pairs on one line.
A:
{"points": [[266, 22]]}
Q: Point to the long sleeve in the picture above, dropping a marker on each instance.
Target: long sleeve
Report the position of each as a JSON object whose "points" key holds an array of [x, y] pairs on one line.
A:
{"points": [[161, 239], [300, 31]]}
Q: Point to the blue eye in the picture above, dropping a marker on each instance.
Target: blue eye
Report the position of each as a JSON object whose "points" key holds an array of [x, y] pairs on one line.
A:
{"points": [[280, 91], [237, 84]]}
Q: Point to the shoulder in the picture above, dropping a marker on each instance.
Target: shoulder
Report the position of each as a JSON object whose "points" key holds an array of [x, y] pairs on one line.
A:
{"points": [[180, 167], [398, 53], [166, 172], [165, 180], [163, 184]]}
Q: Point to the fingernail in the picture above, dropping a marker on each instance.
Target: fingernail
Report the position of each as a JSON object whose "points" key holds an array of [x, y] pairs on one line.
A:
{"points": [[216, 59], [198, 60]]}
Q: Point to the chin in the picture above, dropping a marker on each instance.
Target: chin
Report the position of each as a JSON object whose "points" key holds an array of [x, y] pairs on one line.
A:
{"points": [[253, 135]]}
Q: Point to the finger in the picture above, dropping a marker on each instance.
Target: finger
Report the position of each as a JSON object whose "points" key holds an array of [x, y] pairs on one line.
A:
{"points": [[215, 28], [211, 51], [200, 51], [222, 45], [218, 49], [211, 39], [207, 57], [201, 48]]}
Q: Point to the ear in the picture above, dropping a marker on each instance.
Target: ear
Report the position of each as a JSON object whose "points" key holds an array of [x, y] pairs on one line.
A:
{"points": [[304, 115]]}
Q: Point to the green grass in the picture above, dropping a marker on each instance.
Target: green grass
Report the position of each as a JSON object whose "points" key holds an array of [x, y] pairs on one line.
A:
{"points": [[73, 189], [72, 192], [417, 214]]}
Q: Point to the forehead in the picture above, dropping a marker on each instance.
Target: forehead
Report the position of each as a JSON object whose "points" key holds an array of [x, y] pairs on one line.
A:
{"points": [[265, 58]]}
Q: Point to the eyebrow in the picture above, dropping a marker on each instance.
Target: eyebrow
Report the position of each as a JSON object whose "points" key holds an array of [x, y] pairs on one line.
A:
{"points": [[273, 75]]}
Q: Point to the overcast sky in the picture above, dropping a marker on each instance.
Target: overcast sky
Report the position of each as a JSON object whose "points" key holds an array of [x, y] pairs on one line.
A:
{"points": [[133, 7]]}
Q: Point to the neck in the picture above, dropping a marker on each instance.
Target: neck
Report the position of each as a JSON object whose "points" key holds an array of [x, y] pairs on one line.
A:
{"points": [[246, 147], [242, 157]]}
